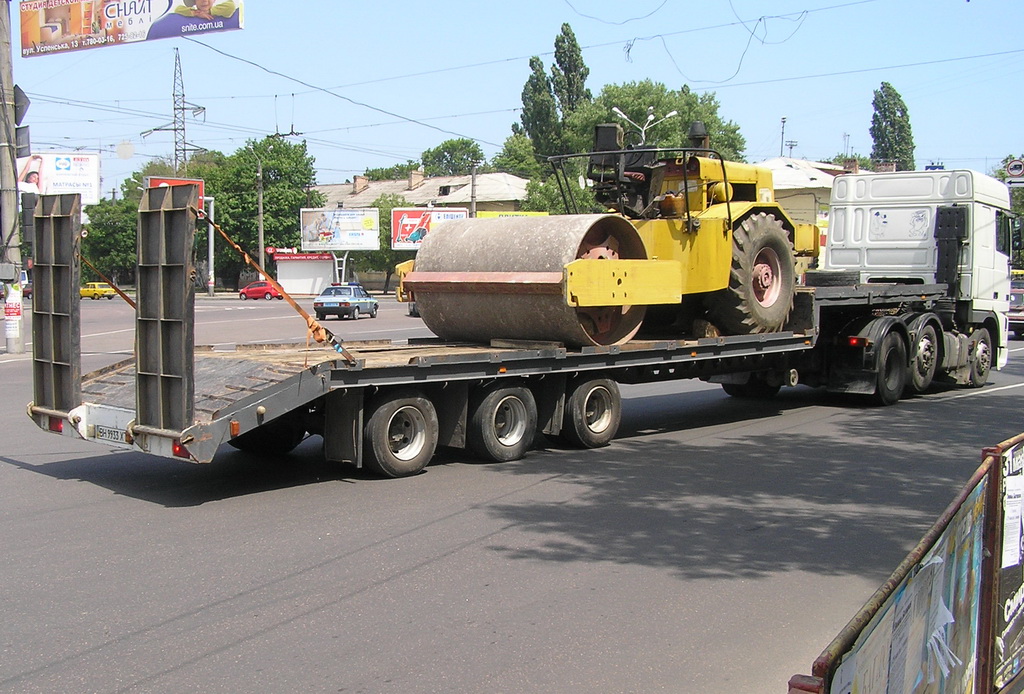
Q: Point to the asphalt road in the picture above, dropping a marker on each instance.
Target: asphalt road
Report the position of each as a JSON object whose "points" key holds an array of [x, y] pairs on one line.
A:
{"points": [[716, 546]]}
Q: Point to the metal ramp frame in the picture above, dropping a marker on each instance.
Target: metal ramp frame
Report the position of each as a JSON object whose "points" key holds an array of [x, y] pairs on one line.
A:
{"points": [[56, 318], [165, 313]]}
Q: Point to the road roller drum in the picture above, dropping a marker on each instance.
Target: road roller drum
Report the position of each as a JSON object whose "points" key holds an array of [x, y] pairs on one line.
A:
{"points": [[482, 279]]}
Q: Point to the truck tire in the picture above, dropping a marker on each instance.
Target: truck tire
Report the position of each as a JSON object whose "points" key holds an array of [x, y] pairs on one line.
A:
{"points": [[593, 412], [980, 349], [762, 281], [276, 437], [401, 433], [924, 360], [502, 423], [892, 369]]}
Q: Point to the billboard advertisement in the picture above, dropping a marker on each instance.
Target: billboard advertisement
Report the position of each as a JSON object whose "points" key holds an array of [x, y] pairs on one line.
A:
{"points": [[410, 224], [157, 181], [340, 230], [56, 173], [59, 26]]}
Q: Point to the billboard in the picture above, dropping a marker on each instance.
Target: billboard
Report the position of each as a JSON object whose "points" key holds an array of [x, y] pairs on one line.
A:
{"points": [[340, 230], [59, 26], [410, 224], [157, 181], [56, 173]]}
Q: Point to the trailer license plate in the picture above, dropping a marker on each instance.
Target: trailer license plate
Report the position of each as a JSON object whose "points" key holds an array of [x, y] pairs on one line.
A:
{"points": [[109, 434]]}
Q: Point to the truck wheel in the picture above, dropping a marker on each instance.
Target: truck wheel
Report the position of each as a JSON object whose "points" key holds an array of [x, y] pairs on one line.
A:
{"points": [[892, 370], [925, 360], [980, 349], [503, 423], [754, 389], [593, 412], [762, 281], [401, 434], [273, 438]]}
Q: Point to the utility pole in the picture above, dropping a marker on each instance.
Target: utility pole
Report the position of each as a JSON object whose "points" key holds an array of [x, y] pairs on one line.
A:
{"points": [[259, 209], [10, 236]]}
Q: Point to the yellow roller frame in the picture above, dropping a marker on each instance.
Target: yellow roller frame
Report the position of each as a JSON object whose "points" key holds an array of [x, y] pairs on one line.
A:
{"points": [[622, 282]]}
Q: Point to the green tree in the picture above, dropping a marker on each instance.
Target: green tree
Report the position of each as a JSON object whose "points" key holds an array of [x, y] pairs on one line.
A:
{"points": [[452, 158], [635, 98], [569, 73], [518, 157], [384, 259], [288, 179], [110, 243], [890, 129], [540, 119], [392, 173]]}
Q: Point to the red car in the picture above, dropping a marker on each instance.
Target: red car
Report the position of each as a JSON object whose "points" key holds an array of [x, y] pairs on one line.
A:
{"points": [[259, 290]]}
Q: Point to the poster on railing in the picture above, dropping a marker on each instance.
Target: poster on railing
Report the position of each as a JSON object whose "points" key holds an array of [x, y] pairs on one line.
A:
{"points": [[1008, 658], [924, 638]]}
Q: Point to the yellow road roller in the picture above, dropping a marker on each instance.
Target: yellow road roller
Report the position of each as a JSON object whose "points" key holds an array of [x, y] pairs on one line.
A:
{"points": [[681, 242]]}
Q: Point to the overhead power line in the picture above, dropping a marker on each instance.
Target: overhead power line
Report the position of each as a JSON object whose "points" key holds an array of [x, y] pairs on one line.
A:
{"points": [[338, 96]]}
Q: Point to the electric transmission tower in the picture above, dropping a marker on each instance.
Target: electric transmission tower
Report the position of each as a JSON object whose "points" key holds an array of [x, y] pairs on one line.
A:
{"points": [[182, 148]]}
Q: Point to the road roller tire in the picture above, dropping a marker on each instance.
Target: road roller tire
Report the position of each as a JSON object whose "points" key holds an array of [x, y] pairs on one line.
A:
{"points": [[502, 423], [762, 280], [593, 412], [400, 435]]}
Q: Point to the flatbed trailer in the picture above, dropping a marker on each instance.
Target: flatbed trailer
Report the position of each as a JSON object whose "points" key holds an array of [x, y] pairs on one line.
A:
{"points": [[389, 404]]}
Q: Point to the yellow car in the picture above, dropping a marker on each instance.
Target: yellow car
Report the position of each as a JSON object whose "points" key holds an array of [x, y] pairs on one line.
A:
{"points": [[95, 290]]}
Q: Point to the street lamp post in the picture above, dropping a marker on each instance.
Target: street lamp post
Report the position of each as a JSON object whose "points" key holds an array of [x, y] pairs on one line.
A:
{"points": [[648, 124]]}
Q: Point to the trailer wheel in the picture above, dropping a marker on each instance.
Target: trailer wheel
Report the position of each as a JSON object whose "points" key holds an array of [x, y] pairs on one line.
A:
{"points": [[593, 412], [980, 346], [401, 434], [503, 423], [762, 281], [754, 389], [277, 437], [892, 369], [925, 360]]}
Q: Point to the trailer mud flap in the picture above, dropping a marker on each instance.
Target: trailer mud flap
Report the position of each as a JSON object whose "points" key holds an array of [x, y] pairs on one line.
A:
{"points": [[343, 426]]}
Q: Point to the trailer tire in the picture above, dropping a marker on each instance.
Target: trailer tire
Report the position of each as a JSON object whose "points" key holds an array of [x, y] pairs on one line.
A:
{"points": [[924, 361], [980, 347], [401, 433], [502, 423], [593, 412], [892, 369], [276, 437], [762, 280]]}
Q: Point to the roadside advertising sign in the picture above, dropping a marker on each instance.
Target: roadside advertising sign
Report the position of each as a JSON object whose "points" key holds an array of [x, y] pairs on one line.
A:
{"points": [[59, 26], [410, 224], [354, 229], [55, 173]]}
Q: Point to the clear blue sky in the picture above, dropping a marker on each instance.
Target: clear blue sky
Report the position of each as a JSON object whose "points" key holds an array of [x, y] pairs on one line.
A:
{"points": [[458, 68]]}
